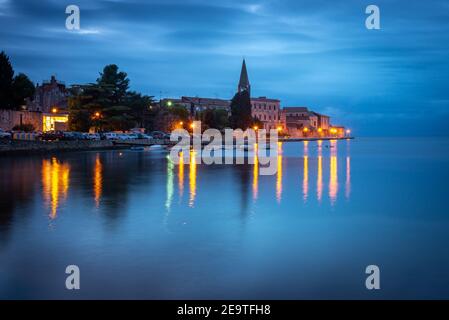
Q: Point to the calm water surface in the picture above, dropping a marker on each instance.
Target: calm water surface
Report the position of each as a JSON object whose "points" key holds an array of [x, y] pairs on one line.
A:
{"points": [[139, 226]]}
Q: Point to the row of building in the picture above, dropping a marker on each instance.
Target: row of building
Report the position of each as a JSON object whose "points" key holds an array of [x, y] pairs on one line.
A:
{"points": [[47, 111], [292, 121]]}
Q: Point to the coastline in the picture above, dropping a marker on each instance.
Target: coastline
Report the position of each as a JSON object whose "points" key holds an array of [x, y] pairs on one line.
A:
{"points": [[315, 139], [21, 147], [24, 147]]}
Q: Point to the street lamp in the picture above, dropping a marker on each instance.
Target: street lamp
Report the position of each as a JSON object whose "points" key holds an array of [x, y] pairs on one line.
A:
{"points": [[256, 128], [54, 110]]}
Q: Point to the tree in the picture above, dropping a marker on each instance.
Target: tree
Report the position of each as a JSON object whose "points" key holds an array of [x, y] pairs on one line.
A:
{"points": [[115, 81], [6, 78], [22, 88], [82, 104], [139, 105], [215, 118], [13, 90], [241, 111], [107, 104]]}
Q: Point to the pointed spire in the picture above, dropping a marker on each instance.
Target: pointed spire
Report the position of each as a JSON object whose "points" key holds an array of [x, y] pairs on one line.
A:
{"points": [[244, 81]]}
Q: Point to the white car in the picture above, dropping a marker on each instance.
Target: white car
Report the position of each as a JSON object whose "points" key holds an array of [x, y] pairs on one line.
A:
{"points": [[123, 136], [4, 135], [133, 136], [144, 136], [93, 136], [111, 136]]}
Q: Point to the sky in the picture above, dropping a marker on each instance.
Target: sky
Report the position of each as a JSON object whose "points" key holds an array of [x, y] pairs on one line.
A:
{"points": [[317, 53]]}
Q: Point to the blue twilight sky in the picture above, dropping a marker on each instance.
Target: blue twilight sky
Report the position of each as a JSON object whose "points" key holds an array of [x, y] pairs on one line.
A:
{"points": [[306, 53]]}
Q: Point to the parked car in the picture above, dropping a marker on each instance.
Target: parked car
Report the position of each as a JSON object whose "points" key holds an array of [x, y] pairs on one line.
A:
{"points": [[159, 135], [93, 136], [144, 136], [122, 136], [133, 136], [4, 134], [69, 136], [52, 136], [110, 136]]}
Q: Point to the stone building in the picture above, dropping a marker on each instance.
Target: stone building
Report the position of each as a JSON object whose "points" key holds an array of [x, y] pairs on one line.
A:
{"points": [[11, 118], [51, 95], [267, 111], [301, 122]]}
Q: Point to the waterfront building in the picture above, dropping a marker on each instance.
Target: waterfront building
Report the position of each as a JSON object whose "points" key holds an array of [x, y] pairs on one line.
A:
{"points": [[297, 121], [323, 121], [11, 118], [50, 95], [301, 122], [50, 100], [199, 104], [337, 131], [267, 111]]}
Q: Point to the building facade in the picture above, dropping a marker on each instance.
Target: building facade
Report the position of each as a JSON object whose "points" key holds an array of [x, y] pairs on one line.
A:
{"points": [[266, 111], [199, 104], [51, 95], [323, 121], [11, 118], [301, 122]]}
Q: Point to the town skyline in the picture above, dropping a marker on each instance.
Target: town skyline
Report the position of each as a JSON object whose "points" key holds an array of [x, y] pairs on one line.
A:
{"points": [[377, 82]]}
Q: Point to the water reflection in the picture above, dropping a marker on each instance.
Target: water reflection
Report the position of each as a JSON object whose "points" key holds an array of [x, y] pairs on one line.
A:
{"points": [[256, 172], [319, 182], [279, 173], [192, 178], [170, 184], [181, 175], [333, 180], [108, 179], [348, 177], [98, 180], [305, 182], [55, 184]]}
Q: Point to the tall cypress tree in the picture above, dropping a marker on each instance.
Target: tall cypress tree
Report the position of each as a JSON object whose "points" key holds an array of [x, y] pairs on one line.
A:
{"points": [[241, 111], [6, 79]]}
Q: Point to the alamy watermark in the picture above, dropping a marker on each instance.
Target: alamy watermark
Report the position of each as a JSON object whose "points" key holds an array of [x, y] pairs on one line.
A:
{"points": [[72, 282], [73, 21], [210, 147], [372, 22], [372, 282]]}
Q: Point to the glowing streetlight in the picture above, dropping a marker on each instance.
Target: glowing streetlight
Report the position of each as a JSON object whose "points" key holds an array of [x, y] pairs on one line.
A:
{"points": [[97, 114], [348, 132], [181, 123], [256, 128], [305, 129], [54, 110], [320, 130], [192, 126], [279, 129], [169, 103]]}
